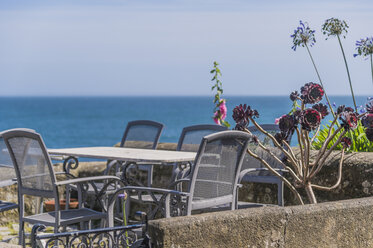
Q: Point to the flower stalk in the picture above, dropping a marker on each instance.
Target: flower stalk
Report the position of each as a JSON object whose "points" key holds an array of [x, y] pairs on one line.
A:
{"points": [[348, 72]]}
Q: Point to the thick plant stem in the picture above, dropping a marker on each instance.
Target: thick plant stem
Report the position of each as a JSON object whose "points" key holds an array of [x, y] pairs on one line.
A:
{"points": [[348, 72], [318, 75], [371, 65], [310, 194]]}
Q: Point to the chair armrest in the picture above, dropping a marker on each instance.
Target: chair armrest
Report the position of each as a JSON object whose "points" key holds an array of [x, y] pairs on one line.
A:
{"points": [[251, 170], [87, 179], [150, 189], [183, 180]]}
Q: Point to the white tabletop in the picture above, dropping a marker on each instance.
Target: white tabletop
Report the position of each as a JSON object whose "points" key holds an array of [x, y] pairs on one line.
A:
{"points": [[126, 154]]}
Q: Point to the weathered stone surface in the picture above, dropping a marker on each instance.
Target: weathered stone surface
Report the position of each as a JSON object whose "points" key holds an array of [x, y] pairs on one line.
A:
{"points": [[334, 224]]}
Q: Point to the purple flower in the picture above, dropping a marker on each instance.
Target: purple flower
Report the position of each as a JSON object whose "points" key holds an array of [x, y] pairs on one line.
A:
{"points": [[367, 120], [312, 93], [310, 119], [124, 196], [346, 142], [364, 47], [303, 36], [349, 119], [322, 109]]}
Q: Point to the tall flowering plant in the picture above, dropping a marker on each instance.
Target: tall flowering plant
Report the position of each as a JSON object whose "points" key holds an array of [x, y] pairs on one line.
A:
{"points": [[220, 109], [335, 27], [304, 36], [305, 122], [364, 47]]}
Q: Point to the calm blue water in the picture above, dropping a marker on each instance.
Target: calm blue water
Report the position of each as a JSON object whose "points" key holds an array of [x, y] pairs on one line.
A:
{"points": [[100, 121]]}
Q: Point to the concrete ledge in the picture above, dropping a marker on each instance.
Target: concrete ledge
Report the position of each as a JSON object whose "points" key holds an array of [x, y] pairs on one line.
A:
{"points": [[345, 223]]}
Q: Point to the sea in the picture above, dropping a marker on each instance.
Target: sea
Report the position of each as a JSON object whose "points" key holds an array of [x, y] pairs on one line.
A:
{"points": [[100, 121]]}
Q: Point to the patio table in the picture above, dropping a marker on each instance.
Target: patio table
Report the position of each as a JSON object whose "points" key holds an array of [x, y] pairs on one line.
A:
{"points": [[128, 156]]}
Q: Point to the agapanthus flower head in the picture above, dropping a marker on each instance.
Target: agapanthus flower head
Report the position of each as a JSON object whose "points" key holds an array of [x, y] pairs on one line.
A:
{"points": [[369, 106], [322, 109], [349, 119], [369, 133], [346, 142], [310, 119], [294, 96], [311, 93], [367, 120], [303, 35], [364, 47], [335, 27]]}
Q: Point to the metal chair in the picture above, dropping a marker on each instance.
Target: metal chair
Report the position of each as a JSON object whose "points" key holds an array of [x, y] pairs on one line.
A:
{"points": [[189, 141], [142, 134], [7, 174], [254, 171], [36, 177], [213, 178]]}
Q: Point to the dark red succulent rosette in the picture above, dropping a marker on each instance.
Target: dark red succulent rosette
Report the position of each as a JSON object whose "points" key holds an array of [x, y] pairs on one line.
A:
{"points": [[349, 120], [294, 96], [311, 93], [280, 137], [369, 133], [241, 114], [322, 109], [340, 109], [367, 120], [369, 106], [286, 123], [310, 119], [346, 142]]}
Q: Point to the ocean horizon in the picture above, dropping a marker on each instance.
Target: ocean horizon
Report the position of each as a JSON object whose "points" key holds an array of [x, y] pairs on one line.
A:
{"points": [[78, 121]]}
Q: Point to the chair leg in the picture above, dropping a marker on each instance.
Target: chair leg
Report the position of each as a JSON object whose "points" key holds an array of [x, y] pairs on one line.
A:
{"points": [[280, 193], [21, 233]]}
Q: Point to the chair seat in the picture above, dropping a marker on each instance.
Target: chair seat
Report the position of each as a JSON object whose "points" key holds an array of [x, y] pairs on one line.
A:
{"points": [[270, 178], [5, 206], [67, 217], [145, 198]]}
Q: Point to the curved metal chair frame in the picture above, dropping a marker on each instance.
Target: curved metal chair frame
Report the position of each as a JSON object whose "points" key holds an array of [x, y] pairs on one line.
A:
{"points": [[213, 179], [36, 177], [261, 174]]}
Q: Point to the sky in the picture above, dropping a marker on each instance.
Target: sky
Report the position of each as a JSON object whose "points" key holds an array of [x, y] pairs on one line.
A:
{"points": [[167, 47]]}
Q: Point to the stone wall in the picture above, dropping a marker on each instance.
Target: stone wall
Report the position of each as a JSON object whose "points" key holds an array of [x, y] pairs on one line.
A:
{"points": [[334, 224], [357, 181]]}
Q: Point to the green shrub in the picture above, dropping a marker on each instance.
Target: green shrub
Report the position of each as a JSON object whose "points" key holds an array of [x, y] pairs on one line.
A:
{"points": [[360, 143]]}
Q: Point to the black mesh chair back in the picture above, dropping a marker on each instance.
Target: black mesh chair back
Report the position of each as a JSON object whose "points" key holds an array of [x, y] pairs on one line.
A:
{"points": [[142, 134], [7, 172], [189, 141], [191, 136], [250, 162], [32, 163], [254, 171], [215, 173]]}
